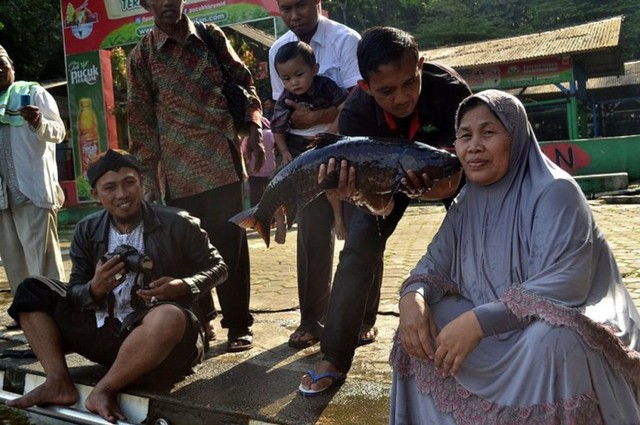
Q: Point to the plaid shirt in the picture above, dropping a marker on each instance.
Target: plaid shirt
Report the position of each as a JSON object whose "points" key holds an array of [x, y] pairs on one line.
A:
{"points": [[179, 125]]}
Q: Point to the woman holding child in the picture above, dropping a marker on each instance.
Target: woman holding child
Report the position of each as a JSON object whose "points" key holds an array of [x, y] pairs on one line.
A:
{"points": [[517, 313]]}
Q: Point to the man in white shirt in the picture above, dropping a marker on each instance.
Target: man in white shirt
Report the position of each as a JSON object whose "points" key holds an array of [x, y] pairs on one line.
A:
{"points": [[30, 195], [334, 46]]}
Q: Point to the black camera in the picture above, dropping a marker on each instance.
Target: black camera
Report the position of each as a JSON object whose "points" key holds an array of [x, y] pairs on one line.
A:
{"points": [[134, 260]]}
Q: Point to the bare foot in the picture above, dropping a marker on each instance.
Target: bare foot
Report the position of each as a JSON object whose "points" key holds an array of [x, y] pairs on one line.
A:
{"points": [[367, 335], [105, 404], [210, 330], [50, 392], [302, 339], [321, 367]]}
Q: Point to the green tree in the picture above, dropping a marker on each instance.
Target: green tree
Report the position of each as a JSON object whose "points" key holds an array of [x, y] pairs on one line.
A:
{"points": [[362, 14], [31, 32], [31, 29], [448, 22]]}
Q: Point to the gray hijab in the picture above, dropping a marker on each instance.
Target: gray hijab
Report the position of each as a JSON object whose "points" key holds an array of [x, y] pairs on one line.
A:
{"points": [[530, 241]]}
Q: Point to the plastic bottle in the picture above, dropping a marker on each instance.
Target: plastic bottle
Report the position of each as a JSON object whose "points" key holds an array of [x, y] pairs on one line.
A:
{"points": [[88, 133]]}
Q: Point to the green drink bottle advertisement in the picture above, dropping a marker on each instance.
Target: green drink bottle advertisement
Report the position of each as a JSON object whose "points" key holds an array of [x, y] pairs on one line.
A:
{"points": [[91, 104]]}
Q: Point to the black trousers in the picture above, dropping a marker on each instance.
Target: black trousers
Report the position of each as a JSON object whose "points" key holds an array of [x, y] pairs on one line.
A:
{"points": [[314, 253], [214, 208], [356, 284], [80, 334], [355, 295]]}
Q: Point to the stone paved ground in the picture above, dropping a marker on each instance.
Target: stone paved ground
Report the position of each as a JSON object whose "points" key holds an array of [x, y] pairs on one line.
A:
{"points": [[265, 379], [274, 269]]}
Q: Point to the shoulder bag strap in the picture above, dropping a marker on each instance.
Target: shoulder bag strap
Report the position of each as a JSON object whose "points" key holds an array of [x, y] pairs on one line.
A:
{"points": [[209, 41]]}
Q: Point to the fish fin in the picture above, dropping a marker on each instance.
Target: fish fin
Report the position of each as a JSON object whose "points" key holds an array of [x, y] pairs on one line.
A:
{"points": [[264, 230], [324, 139], [376, 202], [246, 218], [398, 179], [291, 213], [396, 188], [280, 221]]}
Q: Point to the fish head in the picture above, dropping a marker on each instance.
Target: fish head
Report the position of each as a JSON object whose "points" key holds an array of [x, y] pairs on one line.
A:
{"points": [[443, 168], [436, 163]]}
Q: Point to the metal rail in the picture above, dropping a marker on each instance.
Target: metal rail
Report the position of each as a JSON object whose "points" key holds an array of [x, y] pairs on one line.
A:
{"points": [[62, 413]]}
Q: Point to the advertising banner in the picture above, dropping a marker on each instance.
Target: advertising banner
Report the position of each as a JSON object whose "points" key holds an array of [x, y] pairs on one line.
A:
{"points": [[91, 104], [102, 24], [520, 74], [90, 27]]}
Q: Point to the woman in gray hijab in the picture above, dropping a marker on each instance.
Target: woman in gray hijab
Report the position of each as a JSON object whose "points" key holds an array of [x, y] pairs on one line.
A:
{"points": [[517, 313]]}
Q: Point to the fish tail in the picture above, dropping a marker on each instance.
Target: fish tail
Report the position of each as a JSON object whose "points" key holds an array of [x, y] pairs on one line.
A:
{"points": [[264, 230], [245, 219], [291, 212]]}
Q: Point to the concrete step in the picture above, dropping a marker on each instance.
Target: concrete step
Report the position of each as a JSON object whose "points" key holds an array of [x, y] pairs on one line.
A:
{"points": [[597, 183], [256, 387]]}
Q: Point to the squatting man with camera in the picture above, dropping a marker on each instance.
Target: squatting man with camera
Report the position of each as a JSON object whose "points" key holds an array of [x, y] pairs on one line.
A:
{"points": [[137, 270]]}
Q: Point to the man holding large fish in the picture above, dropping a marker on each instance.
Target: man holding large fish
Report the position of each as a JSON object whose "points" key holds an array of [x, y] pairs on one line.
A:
{"points": [[400, 96]]}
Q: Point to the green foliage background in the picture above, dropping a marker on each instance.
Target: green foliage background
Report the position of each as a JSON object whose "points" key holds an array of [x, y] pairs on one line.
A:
{"points": [[31, 29], [437, 23]]}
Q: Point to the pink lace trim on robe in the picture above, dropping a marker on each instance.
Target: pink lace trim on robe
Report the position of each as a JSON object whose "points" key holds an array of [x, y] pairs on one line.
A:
{"points": [[468, 409], [598, 337]]}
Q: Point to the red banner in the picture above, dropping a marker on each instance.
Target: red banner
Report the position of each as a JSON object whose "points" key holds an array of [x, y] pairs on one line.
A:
{"points": [[102, 24]]}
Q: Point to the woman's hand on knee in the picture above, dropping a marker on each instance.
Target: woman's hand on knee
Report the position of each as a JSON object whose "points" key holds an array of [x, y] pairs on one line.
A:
{"points": [[455, 341], [417, 328]]}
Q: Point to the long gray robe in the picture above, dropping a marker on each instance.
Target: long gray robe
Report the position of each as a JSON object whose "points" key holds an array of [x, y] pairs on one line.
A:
{"points": [[528, 245]]}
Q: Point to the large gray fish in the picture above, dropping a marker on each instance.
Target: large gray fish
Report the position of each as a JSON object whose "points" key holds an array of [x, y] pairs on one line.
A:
{"points": [[380, 163]]}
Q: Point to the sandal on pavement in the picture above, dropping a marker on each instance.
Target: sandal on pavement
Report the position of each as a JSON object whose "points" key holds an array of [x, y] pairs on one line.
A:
{"points": [[300, 343], [295, 340], [367, 336], [336, 378], [239, 340]]}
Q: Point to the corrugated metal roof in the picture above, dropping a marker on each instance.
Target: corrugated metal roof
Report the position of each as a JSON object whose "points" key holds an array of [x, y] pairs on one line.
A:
{"points": [[590, 37], [630, 77]]}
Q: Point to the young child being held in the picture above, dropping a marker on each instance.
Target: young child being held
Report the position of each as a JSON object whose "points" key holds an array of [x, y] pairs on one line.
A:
{"points": [[296, 65]]}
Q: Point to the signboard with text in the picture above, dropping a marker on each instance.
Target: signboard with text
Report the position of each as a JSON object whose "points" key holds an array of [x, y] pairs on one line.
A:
{"points": [[91, 104], [551, 70], [102, 24], [90, 29]]}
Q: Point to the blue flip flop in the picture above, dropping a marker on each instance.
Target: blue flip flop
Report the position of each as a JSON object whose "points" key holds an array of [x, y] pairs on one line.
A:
{"points": [[336, 378]]}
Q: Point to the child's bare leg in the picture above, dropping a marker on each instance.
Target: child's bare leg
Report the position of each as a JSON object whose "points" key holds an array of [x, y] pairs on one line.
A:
{"points": [[338, 218], [281, 226]]}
